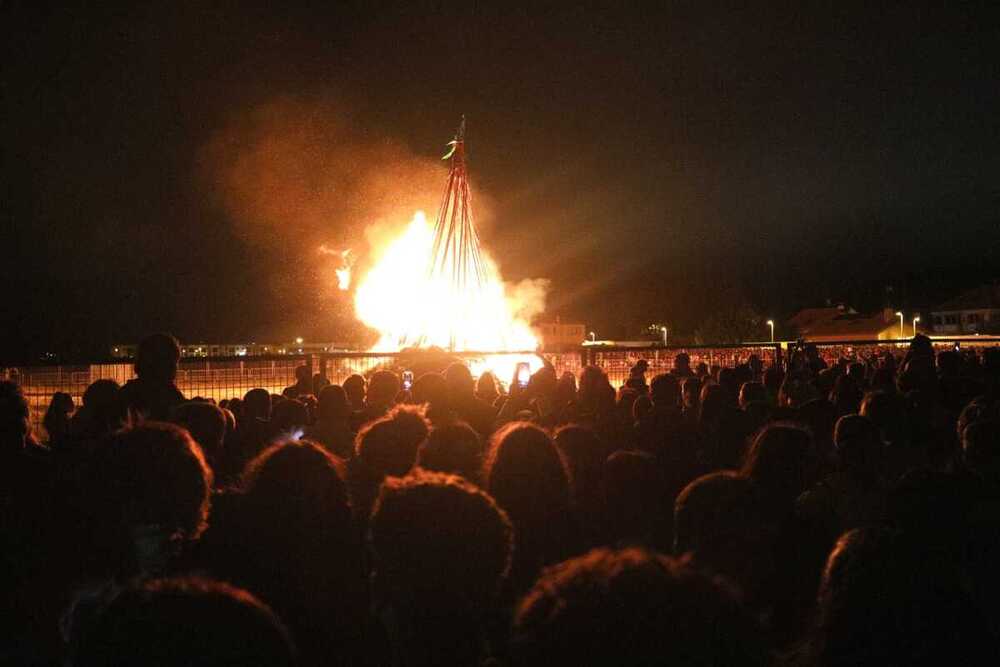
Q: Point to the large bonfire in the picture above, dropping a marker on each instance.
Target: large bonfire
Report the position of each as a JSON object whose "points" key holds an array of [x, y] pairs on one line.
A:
{"points": [[435, 286]]}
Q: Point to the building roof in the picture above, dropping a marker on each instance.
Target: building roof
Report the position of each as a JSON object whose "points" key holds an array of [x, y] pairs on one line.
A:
{"points": [[981, 298], [840, 323]]}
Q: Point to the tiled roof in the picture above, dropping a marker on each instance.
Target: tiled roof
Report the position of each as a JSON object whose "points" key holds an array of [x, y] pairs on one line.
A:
{"points": [[983, 297]]}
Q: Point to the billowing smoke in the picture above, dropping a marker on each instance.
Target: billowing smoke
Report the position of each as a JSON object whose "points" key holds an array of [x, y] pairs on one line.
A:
{"points": [[300, 171]]}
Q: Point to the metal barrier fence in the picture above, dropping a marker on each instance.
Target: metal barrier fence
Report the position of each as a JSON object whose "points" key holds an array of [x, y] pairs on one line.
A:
{"points": [[618, 362], [228, 377], [216, 378], [863, 350]]}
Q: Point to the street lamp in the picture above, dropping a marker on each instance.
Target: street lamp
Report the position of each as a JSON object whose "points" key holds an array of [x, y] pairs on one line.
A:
{"points": [[664, 330], [915, 320], [593, 337], [899, 314], [299, 340], [770, 323]]}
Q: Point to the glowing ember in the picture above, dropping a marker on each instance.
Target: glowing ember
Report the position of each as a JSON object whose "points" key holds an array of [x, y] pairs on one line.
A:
{"points": [[435, 286]]}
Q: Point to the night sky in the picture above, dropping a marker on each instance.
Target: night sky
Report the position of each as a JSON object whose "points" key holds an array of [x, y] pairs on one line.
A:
{"points": [[175, 166]]}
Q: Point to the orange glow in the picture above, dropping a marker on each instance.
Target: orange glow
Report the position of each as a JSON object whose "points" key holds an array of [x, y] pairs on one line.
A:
{"points": [[409, 307]]}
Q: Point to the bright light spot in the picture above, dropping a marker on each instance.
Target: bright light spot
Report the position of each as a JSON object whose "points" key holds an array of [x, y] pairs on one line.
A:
{"points": [[411, 308], [299, 340]]}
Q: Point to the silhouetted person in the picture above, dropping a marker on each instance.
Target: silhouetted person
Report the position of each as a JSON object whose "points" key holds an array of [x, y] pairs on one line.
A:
{"points": [[584, 455], [462, 399], [382, 390], [385, 447], [632, 607], [682, 366], [354, 387], [333, 422], [57, 418], [26, 518], [431, 390], [290, 418], [182, 623], [722, 520], [207, 425], [303, 383], [100, 413], [884, 602], [526, 475], [150, 488], [486, 388], [453, 448], [441, 549], [153, 393], [290, 539], [636, 511]]}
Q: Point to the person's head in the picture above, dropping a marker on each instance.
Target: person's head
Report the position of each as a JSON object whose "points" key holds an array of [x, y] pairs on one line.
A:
{"points": [[752, 392], [156, 358], [981, 446], [887, 410], [61, 403], [431, 389], [486, 387], [722, 520], [682, 362], [333, 404], [297, 480], [701, 370], [382, 389], [665, 391], [857, 444], [207, 425], [883, 601], [452, 448], [184, 622], [257, 405], [14, 416], [632, 607], [459, 379], [781, 460], [153, 475], [633, 491], [525, 472], [440, 545], [290, 416], [796, 390], [57, 415], [354, 387], [303, 376], [388, 445]]}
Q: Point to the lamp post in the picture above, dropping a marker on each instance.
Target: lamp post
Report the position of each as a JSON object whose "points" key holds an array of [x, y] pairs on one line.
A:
{"points": [[899, 314], [915, 320], [664, 331], [770, 323]]}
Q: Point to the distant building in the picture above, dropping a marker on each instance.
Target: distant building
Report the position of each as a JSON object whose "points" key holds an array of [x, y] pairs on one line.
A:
{"points": [[972, 312], [298, 346], [559, 334], [841, 323]]}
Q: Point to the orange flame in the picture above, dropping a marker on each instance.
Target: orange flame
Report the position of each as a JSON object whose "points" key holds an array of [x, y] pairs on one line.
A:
{"points": [[409, 307]]}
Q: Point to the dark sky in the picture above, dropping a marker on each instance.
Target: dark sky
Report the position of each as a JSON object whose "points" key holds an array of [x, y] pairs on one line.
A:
{"points": [[651, 164]]}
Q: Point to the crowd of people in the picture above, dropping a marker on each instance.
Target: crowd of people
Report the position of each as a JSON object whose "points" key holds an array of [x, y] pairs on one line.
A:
{"points": [[804, 514]]}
